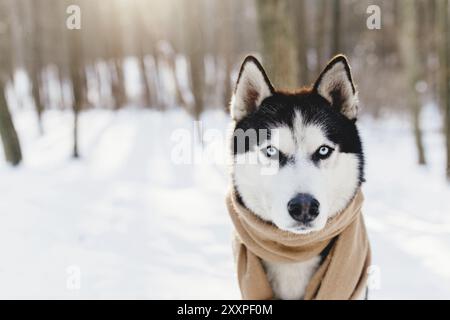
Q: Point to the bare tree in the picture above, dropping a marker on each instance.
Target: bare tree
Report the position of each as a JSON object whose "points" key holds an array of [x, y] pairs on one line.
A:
{"points": [[298, 10], [278, 42], [78, 79], [226, 47], [195, 52], [336, 46], [321, 24], [35, 59], [10, 140], [447, 81], [412, 71], [113, 32], [444, 72], [142, 38]]}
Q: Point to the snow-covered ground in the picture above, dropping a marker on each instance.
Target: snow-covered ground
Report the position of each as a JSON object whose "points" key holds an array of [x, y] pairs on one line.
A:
{"points": [[129, 222]]}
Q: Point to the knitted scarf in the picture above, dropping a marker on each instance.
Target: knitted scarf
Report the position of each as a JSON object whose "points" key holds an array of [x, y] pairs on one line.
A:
{"points": [[342, 274]]}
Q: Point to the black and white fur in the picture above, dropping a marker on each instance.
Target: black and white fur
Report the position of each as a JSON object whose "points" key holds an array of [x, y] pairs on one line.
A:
{"points": [[313, 139]]}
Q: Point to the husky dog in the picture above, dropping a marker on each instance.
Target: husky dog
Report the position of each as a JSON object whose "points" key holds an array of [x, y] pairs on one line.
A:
{"points": [[313, 140]]}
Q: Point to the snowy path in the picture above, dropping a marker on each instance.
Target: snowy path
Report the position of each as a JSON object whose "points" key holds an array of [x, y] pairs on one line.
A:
{"points": [[408, 212], [138, 226]]}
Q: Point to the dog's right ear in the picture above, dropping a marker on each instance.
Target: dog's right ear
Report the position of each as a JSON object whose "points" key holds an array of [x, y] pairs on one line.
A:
{"points": [[252, 87], [336, 85]]}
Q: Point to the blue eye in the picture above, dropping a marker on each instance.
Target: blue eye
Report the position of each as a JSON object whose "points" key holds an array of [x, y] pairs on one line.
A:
{"points": [[324, 152], [271, 152]]}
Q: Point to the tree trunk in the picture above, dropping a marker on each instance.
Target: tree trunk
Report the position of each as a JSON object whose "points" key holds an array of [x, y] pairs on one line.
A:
{"points": [[444, 72], [416, 109], [76, 113], [196, 54], [228, 89], [143, 41], [8, 133], [36, 92], [35, 61], [226, 48], [145, 81], [411, 63], [278, 39], [301, 38], [447, 113], [118, 85], [77, 75], [172, 63], [116, 49], [320, 35], [197, 81], [336, 45]]}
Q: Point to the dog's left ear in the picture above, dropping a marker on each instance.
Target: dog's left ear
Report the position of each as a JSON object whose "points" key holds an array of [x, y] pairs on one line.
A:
{"points": [[335, 84], [252, 87]]}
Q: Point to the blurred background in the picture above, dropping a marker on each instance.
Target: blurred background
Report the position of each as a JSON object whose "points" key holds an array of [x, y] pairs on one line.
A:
{"points": [[92, 204]]}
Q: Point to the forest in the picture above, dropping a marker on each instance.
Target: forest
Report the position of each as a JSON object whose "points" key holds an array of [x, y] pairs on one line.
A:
{"points": [[92, 91], [186, 54]]}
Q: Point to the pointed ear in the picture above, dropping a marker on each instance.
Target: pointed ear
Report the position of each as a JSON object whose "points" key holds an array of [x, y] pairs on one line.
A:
{"points": [[335, 84], [252, 87]]}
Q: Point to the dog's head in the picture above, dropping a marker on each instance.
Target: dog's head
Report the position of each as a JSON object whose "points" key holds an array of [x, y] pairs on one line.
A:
{"points": [[297, 157]]}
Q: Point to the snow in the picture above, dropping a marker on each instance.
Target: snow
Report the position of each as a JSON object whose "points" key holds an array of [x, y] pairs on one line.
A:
{"points": [[135, 224], [408, 209]]}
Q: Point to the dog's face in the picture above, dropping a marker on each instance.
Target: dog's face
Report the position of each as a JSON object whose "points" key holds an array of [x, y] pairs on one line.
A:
{"points": [[297, 157]]}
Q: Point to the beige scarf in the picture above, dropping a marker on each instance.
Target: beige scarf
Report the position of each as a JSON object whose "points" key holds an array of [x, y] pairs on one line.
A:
{"points": [[342, 274]]}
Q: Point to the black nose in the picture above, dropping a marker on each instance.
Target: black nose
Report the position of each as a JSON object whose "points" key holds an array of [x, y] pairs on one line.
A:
{"points": [[303, 208]]}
